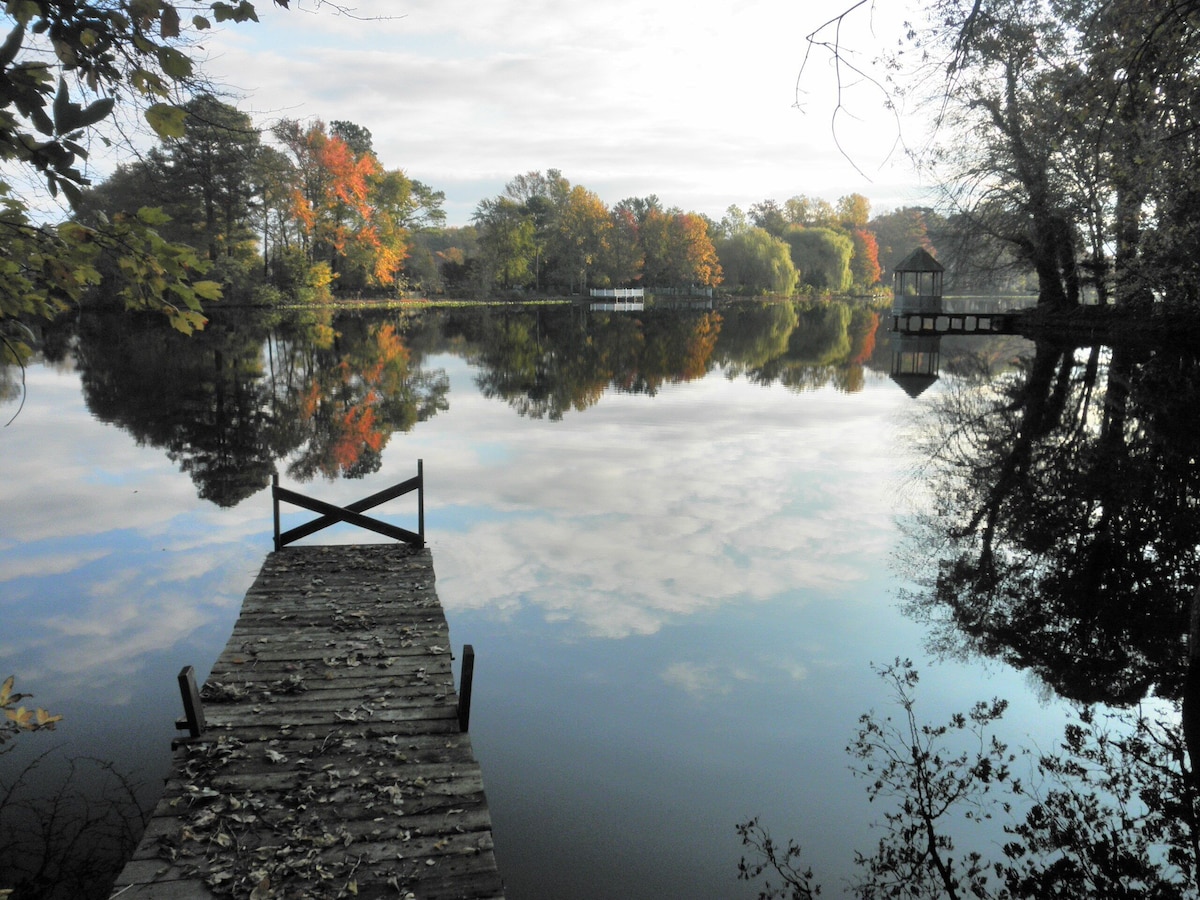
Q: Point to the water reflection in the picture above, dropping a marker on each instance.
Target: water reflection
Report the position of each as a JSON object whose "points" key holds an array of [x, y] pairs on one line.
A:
{"points": [[1064, 509], [227, 403], [666, 533], [327, 393]]}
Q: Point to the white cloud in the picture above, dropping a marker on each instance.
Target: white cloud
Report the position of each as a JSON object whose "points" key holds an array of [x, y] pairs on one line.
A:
{"points": [[619, 530], [626, 98]]}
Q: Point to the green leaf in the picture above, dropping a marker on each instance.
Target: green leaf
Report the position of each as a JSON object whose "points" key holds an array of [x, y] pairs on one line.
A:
{"points": [[166, 119], [207, 290], [201, 23], [95, 112], [11, 46], [176, 64], [64, 109], [153, 216], [168, 24]]}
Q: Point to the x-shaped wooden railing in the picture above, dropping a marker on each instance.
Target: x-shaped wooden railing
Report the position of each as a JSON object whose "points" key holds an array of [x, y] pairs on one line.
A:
{"points": [[352, 512]]}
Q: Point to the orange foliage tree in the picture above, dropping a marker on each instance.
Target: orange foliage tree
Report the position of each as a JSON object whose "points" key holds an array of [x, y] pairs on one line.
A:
{"points": [[864, 264], [346, 206]]}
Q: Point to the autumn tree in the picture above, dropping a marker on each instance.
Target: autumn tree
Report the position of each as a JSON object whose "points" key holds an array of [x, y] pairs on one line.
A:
{"points": [[353, 215], [581, 240], [853, 211], [810, 212], [900, 232], [693, 258], [865, 270]]}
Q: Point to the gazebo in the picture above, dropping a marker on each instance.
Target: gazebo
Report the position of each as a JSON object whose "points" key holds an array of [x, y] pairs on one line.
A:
{"points": [[917, 284], [917, 294]]}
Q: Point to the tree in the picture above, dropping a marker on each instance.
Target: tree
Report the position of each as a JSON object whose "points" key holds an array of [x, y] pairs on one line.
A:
{"points": [[623, 258], [899, 233], [693, 258], [63, 69], [507, 242], [853, 211], [1066, 131], [352, 214], [865, 270], [582, 236], [209, 173], [822, 256], [753, 262], [769, 217]]}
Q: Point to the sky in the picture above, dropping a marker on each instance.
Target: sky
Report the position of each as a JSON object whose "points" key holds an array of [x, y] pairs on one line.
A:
{"points": [[694, 102]]}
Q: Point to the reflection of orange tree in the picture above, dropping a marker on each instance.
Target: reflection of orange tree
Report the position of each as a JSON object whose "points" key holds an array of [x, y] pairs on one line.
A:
{"points": [[349, 408], [827, 344], [679, 347]]}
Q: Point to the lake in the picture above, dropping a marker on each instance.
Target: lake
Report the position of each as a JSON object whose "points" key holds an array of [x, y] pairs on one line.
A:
{"points": [[678, 540]]}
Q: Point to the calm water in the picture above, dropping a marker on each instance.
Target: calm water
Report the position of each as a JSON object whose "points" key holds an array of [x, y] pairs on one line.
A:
{"points": [[670, 538]]}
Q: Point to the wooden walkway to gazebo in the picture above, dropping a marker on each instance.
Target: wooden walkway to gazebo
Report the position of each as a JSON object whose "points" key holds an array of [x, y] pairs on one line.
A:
{"points": [[332, 764]]}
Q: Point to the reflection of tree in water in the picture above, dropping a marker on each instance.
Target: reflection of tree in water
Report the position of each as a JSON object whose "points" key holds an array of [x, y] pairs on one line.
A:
{"points": [[227, 402], [201, 398], [348, 398], [801, 346], [1063, 503], [547, 362]]}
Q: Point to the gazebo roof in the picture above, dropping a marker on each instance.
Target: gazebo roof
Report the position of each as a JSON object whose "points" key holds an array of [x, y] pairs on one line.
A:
{"points": [[914, 385], [919, 261]]}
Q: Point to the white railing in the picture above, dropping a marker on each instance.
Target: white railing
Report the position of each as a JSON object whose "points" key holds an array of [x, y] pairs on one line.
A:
{"points": [[620, 293]]}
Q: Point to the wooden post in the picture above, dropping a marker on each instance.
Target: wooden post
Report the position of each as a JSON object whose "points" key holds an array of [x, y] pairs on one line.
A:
{"points": [[193, 708], [275, 504], [464, 687], [421, 502]]}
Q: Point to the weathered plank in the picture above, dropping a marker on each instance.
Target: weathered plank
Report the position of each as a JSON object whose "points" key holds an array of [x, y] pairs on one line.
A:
{"points": [[332, 764]]}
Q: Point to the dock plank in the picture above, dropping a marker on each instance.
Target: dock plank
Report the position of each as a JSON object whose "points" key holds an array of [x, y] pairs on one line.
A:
{"points": [[332, 765]]}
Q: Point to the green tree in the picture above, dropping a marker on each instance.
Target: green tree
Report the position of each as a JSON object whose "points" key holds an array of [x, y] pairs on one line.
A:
{"points": [[822, 257], [507, 243], [63, 69], [622, 262], [209, 176], [769, 217], [753, 262]]}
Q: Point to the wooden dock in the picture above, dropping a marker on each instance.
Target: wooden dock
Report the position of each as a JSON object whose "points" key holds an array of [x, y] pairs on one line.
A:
{"points": [[332, 764], [946, 323]]}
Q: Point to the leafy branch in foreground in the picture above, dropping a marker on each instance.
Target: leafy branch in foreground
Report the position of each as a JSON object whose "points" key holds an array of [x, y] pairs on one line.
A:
{"points": [[18, 718], [1113, 813], [66, 68]]}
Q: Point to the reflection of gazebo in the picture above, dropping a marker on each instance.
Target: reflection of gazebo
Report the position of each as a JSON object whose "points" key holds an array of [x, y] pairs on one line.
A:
{"points": [[917, 293], [917, 284], [915, 360]]}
